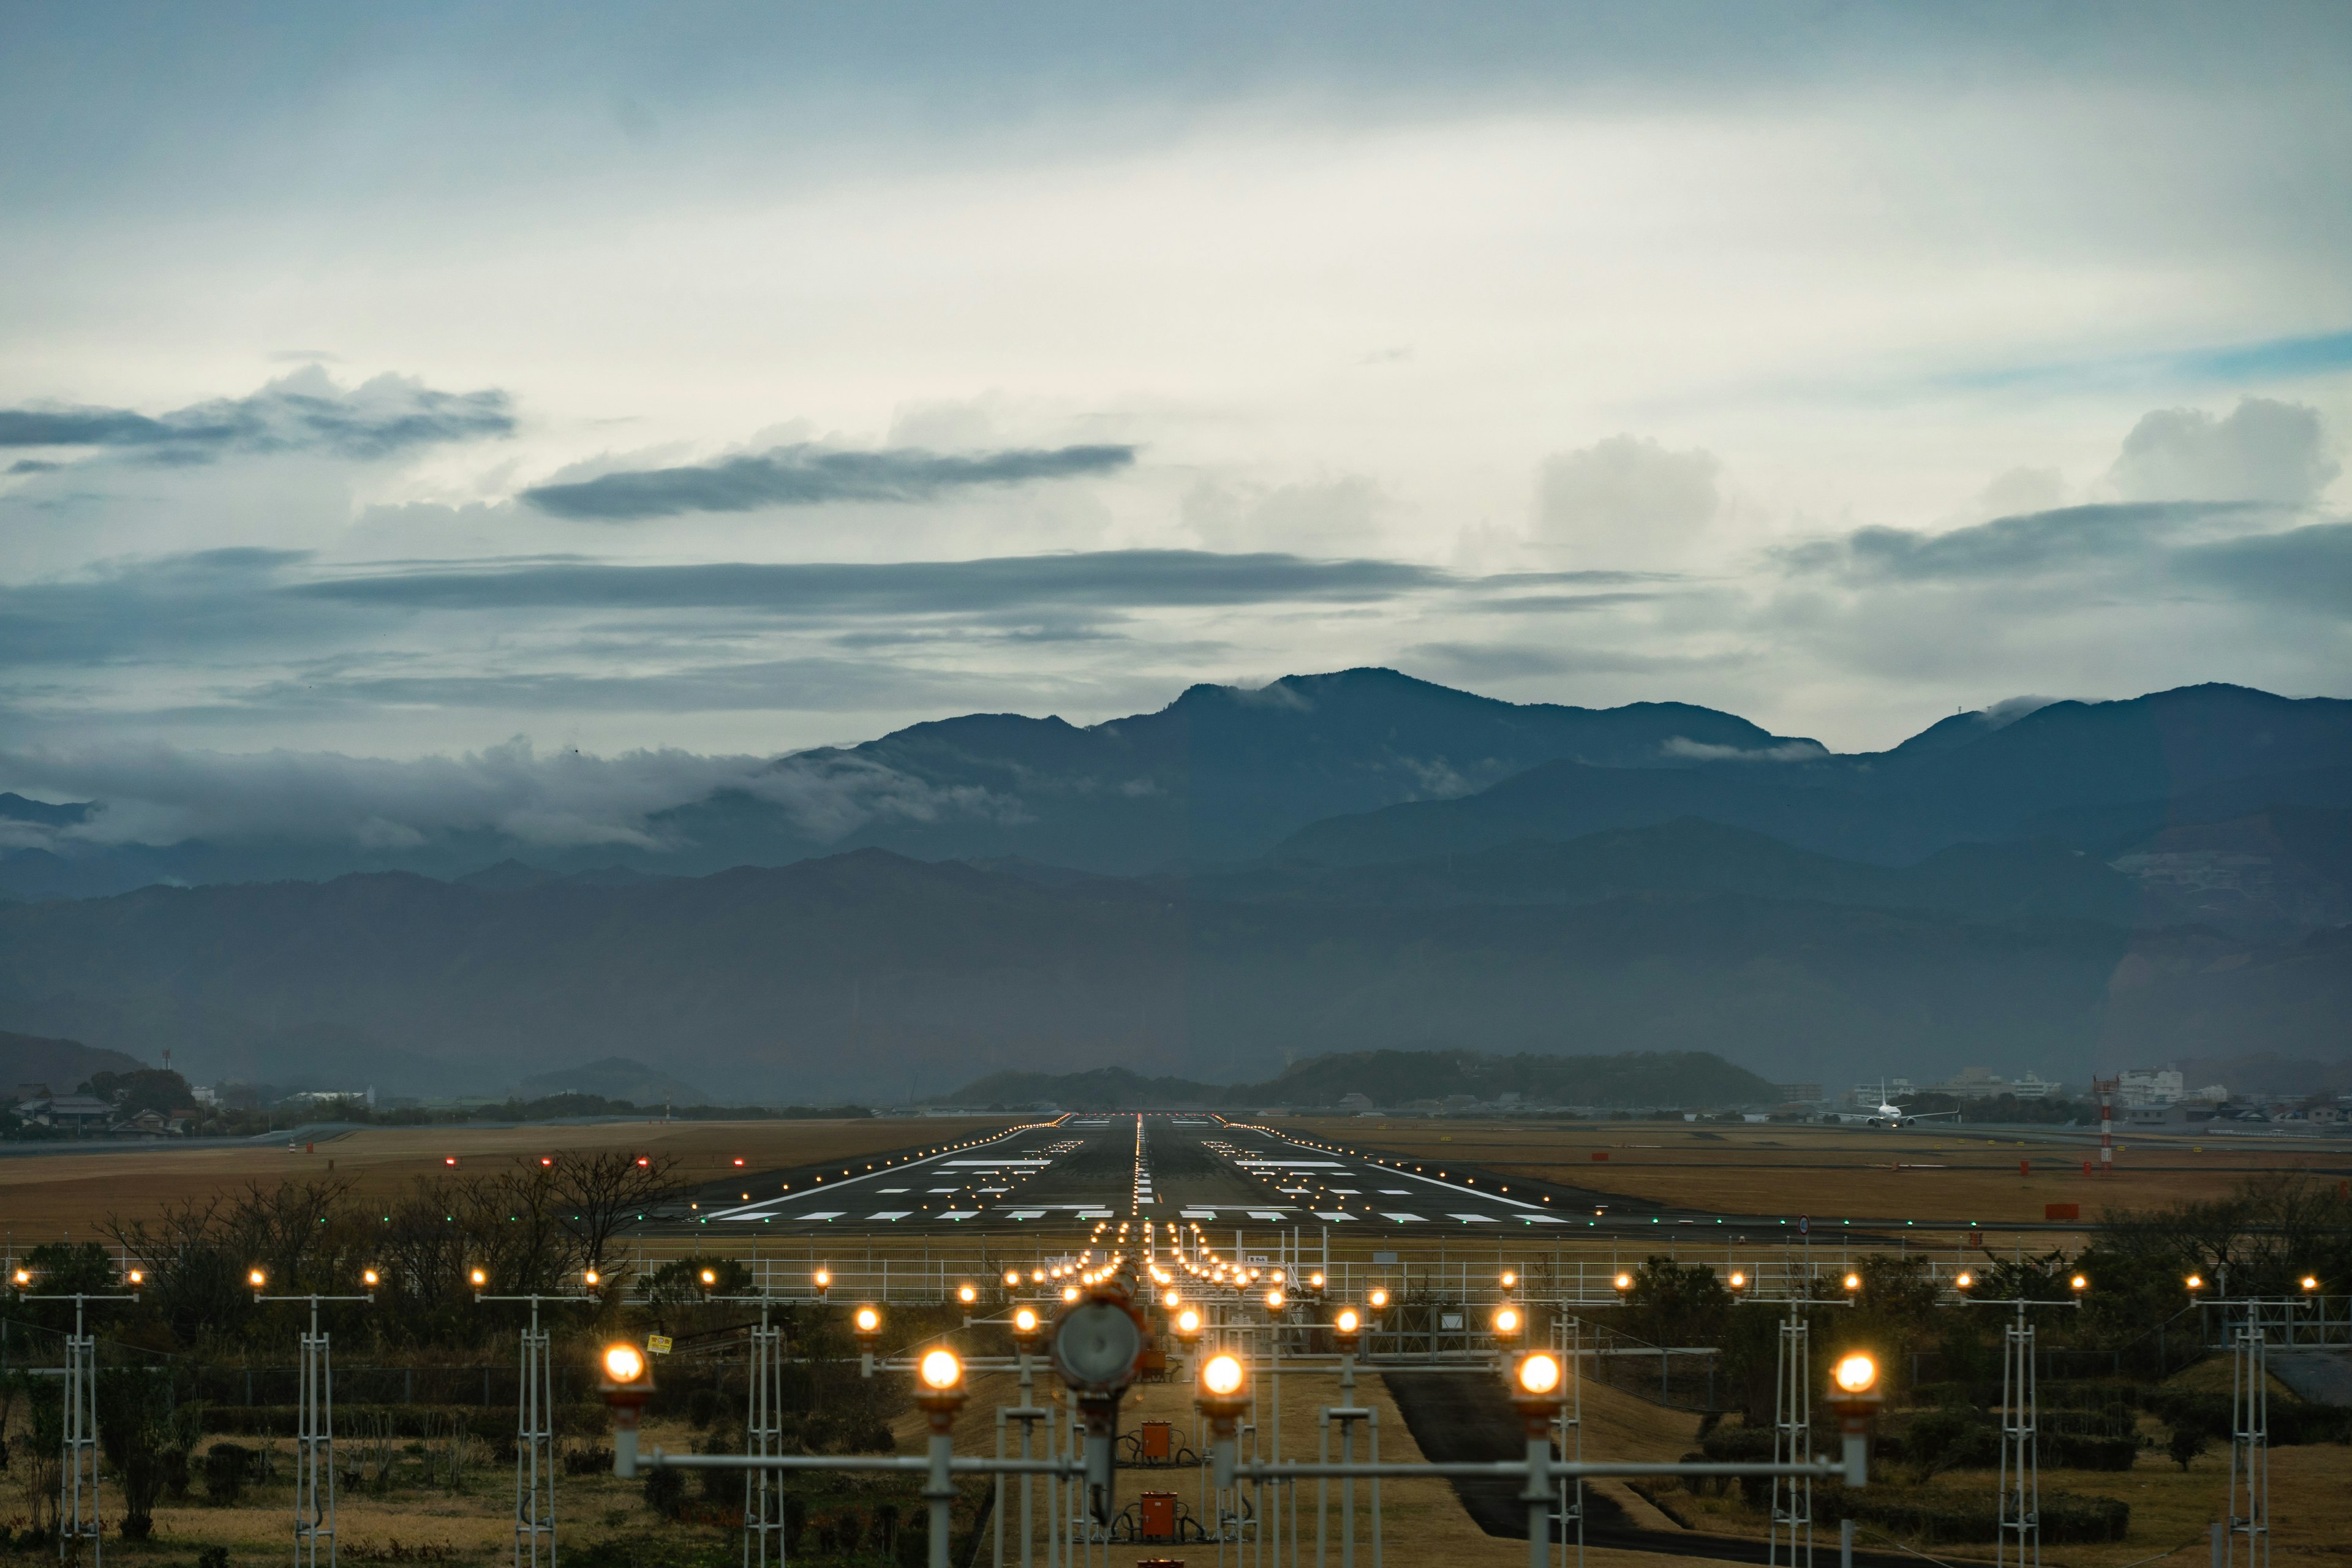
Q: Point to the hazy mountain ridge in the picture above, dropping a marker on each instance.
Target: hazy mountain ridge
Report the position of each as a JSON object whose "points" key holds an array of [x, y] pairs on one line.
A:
{"points": [[875, 976], [1397, 1078], [1219, 775], [2124, 768]]}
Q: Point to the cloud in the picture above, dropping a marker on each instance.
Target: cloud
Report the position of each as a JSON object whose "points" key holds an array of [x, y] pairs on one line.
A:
{"points": [[2262, 450], [303, 412], [2011, 548], [157, 795], [1511, 660], [2308, 568], [1626, 498], [805, 475], [163, 794], [1701, 752], [1100, 579], [176, 609]]}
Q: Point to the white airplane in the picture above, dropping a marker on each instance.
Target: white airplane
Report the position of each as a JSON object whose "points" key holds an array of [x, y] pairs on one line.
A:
{"points": [[1890, 1114]]}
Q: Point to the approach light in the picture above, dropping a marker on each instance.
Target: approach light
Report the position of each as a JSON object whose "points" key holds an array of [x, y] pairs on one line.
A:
{"points": [[479, 1277], [1012, 1279], [1509, 1279], [22, 1277], [709, 1277], [624, 1364], [1315, 1281], [1069, 1292], [367, 1277], [1964, 1279], [1274, 1300], [135, 1277], [1739, 1281], [1624, 1282], [823, 1278], [940, 1371], [1508, 1323], [1224, 1377], [2080, 1283], [1537, 1375], [2195, 1281], [1377, 1299], [1172, 1300], [1036, 1276], [1025, 1325], [1853, 1282], [591, 1279], [1188, 1324], [966, 1294], [1279, 1277], [1856, 1374], [255, 1278], [867, 1320], [2311, 1282]]}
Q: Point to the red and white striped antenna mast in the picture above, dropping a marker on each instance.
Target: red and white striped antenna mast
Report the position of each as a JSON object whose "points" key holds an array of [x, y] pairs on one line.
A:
{"points": [[2105, 1088]]}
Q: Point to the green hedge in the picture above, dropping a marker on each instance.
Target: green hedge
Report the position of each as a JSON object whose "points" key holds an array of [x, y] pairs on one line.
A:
{"points": [[1935, 1517], [586, 1419]]}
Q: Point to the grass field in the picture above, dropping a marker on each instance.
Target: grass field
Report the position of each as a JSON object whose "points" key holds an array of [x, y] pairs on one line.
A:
{"points": [[1836, 1173], [45, 1196]]}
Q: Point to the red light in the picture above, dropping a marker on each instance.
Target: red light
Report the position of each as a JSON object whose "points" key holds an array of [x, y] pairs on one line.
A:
{"points": [[544, 1161], [738, 1162], [641, 1161], [449, 1158]]}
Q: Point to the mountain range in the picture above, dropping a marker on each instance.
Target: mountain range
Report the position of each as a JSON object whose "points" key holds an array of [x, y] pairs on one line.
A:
{"points": [[1337, 863]]}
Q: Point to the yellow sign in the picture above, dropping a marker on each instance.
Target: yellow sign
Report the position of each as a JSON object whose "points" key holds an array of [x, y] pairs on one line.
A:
{"points": [[657, 1344]]}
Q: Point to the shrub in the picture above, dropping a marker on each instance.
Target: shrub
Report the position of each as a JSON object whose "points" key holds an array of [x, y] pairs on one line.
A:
{"points": [[226, 1465], [666, 1492]]}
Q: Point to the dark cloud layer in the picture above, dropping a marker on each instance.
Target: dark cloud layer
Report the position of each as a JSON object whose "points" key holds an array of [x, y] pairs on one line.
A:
{"points": [[2310, 568], [304, 412], [807, 476], [1100, 579], [2009, 548]]}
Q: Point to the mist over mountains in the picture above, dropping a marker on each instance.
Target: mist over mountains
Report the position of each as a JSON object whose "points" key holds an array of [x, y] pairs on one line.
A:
{"points": [[1337, 863]]}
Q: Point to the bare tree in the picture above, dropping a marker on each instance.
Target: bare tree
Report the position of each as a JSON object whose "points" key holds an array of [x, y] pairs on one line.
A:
{"points": [[600, 1194]]}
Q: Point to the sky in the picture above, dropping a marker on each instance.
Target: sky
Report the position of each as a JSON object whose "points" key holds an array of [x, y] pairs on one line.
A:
{"points": [[390, 390]]}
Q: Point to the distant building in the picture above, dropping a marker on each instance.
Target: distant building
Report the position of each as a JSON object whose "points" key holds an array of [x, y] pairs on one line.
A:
{"points": [[72, 1113], [1869, 1096], [2151, 1086], [1976, 1083], [1356, 1102]]}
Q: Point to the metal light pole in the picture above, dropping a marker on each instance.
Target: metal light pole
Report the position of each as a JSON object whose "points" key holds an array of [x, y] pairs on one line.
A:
{"points": [[1792, 1441], [534, 1439], [2020, 1453], [2250, 1445], [77, 1485], [314, 1439]]}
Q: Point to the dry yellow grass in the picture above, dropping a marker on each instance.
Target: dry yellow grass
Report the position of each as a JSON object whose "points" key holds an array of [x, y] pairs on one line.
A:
{"points": [[1830, 1172], [48, 1196]]}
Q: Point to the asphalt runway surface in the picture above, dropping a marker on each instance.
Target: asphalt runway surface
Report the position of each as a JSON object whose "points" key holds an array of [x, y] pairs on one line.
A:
{"points": [[1164, 1167]]}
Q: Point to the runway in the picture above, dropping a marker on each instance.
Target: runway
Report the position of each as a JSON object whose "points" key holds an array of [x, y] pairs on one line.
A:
{"points": [[1157, 1167]]}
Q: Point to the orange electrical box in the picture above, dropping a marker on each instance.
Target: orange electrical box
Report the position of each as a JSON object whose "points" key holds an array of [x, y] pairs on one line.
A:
{"points": [[1601, 1153], [2062, 1211], [1158, 1517], [1156, 1441]]}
